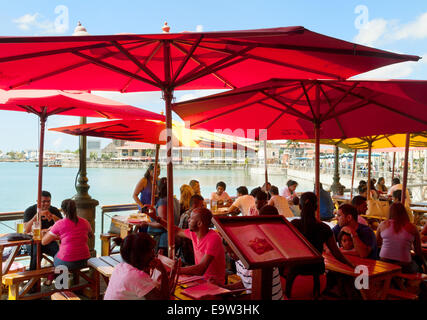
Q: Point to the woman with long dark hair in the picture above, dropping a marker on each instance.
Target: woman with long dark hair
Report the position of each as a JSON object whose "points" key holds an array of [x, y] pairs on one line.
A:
{"points": [[142, 192], [73, 231], [318, 234], [154, 228], [131, 279], [397, 236]]}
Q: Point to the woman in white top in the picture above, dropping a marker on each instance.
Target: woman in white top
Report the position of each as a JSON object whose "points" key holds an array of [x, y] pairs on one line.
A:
{"points": [[279, 202], [396, 237], [289, 191]]}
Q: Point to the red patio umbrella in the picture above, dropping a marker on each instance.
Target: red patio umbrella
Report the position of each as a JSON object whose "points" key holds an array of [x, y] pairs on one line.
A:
{"points": [[45, 103], [190, 60], [307, 109]]}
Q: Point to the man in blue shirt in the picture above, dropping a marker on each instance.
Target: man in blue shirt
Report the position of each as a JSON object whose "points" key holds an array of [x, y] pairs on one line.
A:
{"points": [[363, 237], [326, 205]]}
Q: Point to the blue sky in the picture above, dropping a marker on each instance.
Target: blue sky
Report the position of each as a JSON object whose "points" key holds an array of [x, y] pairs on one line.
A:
{"points": [[399, 26]]}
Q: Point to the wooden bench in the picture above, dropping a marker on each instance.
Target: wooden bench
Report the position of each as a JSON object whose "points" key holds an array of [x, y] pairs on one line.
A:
{"points": [[64, 295], [15, 280]]}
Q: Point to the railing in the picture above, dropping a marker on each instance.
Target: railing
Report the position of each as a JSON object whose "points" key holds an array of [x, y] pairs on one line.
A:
{"points": [[10, 216], [115, 208]]}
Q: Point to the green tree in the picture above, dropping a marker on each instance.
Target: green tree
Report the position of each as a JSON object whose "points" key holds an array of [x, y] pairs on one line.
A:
{"points": [[93, 156]]}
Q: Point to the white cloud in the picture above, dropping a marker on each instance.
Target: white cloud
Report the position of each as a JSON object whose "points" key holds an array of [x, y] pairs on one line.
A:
{"points": [[395, 71], [57, 143], [37, 24], [380, 31], [199, 28]]}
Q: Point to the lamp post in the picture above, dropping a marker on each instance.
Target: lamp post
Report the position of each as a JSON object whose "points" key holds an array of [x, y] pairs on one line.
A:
{"points": [[337, 188], [86, 206]]}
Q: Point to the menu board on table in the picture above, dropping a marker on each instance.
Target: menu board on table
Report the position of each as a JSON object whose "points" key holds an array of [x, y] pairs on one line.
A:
{"points": [[262, 241]]}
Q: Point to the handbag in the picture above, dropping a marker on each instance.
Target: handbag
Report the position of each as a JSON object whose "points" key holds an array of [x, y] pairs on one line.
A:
{"points": [[378, 208], [16, 237]]}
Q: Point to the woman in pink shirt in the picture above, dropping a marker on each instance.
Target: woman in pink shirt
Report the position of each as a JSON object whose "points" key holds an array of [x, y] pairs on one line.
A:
{"points": [[73, 232]]}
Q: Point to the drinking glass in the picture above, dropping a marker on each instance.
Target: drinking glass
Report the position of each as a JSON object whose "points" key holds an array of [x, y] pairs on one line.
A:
{"points": [[36, 230], [20, 226]]}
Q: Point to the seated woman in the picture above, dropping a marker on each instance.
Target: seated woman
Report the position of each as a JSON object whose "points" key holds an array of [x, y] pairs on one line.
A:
{"points": [[220, 196], [396, 237], [73, 231], [155, 229], [131, 279], [184, 200], [318, 234], [381, 188]]}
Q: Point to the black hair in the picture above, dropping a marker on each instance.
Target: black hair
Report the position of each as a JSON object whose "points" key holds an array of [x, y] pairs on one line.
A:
{"points": [[395, 181], [255, 191], [348, 209], [46, 194], [362, 183], [221, 184], [397, 194], [274, 190], [195, 198], [261, 195], [163, 187], [308, 206], [362, 188], [291, 183], [358, 200], [342, 234], [268, 210], [68, 206], [381, 179], [205, 216], [242, 190], [147, 173], [137, 249]]}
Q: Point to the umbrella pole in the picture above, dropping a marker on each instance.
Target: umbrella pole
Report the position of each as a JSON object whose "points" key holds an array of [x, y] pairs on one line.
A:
{"points": [[368, 192], [265, 163], [154, 183], [43, 117], [352, 176], [394, 163], [405, 168], [317, 168]]}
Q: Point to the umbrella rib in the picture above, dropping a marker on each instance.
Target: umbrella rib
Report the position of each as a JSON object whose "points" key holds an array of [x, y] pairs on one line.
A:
{"points": [[58, 111], [383, 106], [215, 66], [388, 139], [340, 99], [307, 98], [53, 52], [136, 62], [61, 70], [272, 61], [201, 65], [115, 69], [271, 124], [188, 56], [148, 59], [331, 107], [297, 113], [29, 109]]}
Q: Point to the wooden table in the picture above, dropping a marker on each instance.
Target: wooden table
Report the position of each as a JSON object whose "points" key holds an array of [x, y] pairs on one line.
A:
{"points": [[124, 225], [419, 204], [4, 269], [380, 274]]}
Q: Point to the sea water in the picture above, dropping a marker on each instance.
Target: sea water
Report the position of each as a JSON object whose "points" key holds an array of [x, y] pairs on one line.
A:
{"points": [[18, 186]]}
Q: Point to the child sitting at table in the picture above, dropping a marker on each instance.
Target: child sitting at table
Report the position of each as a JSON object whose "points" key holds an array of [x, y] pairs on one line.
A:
{"points": [[346, 244], [131, 279], [220, 196]]}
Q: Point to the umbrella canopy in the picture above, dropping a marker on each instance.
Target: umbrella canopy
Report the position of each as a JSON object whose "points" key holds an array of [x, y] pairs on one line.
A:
{"points": [[70, 103], [51, 102], [153, 131], [288, 108], [190, 60], [312, 109], [206, 60]]}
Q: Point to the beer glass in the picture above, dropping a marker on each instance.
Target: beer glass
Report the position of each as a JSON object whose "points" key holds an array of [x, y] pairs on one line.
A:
{"points": [[36, 230], [20, 226]]}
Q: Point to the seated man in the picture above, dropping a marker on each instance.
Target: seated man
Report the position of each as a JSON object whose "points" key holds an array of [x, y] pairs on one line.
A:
{"points": [[209, 252], [48, 215], [279, 202], [260, 201], [243, 203], [363, 237], [361, 206], [396, 185]]}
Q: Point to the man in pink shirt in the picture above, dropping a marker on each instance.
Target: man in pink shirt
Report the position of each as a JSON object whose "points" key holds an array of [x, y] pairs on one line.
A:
{"points": [[209, 255]]}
